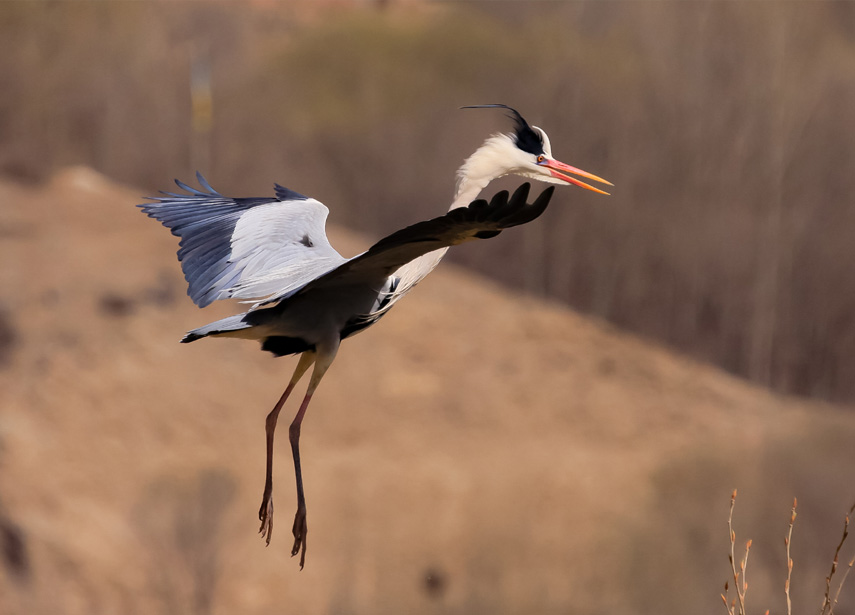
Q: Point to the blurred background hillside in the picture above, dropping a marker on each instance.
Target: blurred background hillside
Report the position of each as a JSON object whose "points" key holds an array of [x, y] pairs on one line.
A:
{"points": [[726, 126], [488, 448]]}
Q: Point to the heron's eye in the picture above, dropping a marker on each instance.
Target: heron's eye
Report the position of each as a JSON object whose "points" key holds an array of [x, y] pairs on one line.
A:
{"points": [[541, 159]]}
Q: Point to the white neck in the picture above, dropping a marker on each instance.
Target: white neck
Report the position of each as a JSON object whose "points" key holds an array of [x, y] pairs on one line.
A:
{"points": [[490, 161], [467, 191]]}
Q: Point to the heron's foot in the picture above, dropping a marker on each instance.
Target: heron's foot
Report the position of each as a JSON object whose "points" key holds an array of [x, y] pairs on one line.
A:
{"points": [[265, 514], [299, 530]]}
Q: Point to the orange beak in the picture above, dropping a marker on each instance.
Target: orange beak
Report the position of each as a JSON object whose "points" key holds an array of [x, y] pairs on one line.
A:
{"points": [[561, 170]]}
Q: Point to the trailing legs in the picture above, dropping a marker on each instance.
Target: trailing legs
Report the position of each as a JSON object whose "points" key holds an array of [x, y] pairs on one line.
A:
{"points": [[322, 360], [265, 513]]}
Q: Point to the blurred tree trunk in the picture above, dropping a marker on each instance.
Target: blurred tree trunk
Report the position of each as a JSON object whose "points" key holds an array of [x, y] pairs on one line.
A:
{"points": [[771, 241]]}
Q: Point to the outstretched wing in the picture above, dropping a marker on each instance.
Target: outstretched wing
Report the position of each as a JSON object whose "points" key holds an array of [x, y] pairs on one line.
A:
{"points": [[480, 220], [245, 247]]}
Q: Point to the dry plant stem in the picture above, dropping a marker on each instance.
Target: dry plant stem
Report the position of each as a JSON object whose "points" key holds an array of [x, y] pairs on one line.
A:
{"points": [[731, 607], [840, 586], [724, 599], [743, 568], [827, 603], [787, 542], [740, 588]]}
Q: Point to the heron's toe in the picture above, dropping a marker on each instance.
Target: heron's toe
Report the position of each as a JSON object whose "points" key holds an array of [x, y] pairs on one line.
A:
{"points": [[265, 515], [299, 530]]}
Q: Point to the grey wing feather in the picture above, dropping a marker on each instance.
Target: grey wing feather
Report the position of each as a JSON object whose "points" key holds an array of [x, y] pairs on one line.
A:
{"points": [[244, 247]]}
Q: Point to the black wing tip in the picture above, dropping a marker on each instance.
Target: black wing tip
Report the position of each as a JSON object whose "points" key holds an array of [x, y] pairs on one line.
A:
{"points": [[531, 211], [507, 211], [524, 135], [521, 193]]}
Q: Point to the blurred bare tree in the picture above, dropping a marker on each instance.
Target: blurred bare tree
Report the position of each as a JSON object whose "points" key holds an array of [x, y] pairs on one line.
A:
{"points": [[727, 127]]}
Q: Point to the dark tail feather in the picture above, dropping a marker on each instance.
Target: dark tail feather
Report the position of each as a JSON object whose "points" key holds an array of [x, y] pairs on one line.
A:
{"points": [[232, 323]]}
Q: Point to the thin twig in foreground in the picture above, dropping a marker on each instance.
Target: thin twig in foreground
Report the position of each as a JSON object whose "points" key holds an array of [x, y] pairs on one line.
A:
{"points": [[787, 541], [827, 603], [740, 587]]}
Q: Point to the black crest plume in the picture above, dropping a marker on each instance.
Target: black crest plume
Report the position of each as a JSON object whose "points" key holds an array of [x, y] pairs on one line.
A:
{"points": [[526, 138]]}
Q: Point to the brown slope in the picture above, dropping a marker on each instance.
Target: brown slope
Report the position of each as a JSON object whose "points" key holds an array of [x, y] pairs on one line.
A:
{"points": [[521, 456]]}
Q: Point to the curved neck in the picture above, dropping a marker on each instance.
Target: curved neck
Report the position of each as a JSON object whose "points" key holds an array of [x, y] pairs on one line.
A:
{"points": [[495, 158], [468, 190]]}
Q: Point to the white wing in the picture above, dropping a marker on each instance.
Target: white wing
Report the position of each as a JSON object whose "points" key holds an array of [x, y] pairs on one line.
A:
{"points": [[245, 247], [283, 248]]}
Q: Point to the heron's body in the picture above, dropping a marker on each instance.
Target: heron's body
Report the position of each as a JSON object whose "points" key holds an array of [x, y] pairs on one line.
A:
{"points": [[306, 297], [299, 323]]}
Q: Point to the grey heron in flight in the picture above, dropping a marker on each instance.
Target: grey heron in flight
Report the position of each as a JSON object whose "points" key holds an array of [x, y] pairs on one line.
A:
{"points": [[306, 298]]}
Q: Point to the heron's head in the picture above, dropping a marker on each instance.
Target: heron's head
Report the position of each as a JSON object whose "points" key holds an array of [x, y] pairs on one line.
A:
{"points": [[525, 152]]}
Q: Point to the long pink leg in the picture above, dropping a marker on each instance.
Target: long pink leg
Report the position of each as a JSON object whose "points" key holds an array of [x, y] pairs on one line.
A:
{"points": [[265, 513], [323, 360]]}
